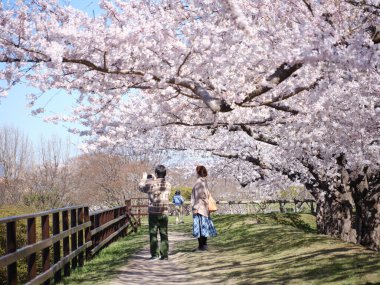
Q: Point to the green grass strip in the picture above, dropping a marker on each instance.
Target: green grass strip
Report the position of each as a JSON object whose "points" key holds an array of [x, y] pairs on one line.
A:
{"points": [[277, 249], [105, 265]]}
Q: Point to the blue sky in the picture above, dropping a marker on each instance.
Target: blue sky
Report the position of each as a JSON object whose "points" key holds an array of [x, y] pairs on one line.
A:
{"points": [[15, 113]]}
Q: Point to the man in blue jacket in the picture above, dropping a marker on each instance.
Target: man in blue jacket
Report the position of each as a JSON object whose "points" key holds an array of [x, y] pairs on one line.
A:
{"points": [[178, 202]]}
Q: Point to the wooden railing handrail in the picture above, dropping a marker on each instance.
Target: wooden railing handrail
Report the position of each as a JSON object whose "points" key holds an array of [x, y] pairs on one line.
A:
{"points": [[105, 210], [39, 214]]}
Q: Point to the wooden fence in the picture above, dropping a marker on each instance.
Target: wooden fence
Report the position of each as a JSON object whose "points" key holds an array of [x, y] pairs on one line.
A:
{"points": [[140, 206], [81, 233]]}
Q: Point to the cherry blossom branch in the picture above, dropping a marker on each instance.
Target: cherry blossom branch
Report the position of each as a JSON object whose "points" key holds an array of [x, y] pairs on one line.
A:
{"points": [[308, 7], [283, 72], [213, 124], [183, 63]]}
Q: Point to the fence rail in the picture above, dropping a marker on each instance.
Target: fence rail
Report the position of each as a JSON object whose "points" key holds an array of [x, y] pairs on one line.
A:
{"points": [[140, 206], [68, 236]]}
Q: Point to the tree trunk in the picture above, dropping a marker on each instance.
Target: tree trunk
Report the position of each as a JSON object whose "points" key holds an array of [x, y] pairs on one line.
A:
{"points": [[334, 216], [367, 204], [312, 210]]}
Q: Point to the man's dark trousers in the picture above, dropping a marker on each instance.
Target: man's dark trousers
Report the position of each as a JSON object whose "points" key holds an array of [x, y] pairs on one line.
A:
{"points": [[158, 223]]}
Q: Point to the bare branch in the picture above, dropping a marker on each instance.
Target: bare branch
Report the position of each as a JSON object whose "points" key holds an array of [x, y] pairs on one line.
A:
{"points": [[182, 64], [308, 6], [283, 108]]}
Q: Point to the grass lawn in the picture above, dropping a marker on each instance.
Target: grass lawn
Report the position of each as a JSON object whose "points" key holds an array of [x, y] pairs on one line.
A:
{"points": [[278, 249], [104, 266]]}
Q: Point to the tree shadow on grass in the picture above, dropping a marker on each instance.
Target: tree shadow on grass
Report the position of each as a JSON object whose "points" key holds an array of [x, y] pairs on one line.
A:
{"points": [[283, 250], [339, 265], [291, 219], [309, 268]]}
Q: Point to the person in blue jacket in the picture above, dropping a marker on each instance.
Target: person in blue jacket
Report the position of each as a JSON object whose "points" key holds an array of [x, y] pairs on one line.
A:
{"points": [[178, 202]]}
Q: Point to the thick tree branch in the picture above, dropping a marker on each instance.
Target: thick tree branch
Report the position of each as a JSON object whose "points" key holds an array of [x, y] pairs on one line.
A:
{"points": [[295, 92], [235, 127], [215, 104], [283, 72]]}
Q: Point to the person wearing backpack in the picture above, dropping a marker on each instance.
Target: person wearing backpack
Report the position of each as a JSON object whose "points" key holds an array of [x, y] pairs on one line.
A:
{"points": [[178, 203]]}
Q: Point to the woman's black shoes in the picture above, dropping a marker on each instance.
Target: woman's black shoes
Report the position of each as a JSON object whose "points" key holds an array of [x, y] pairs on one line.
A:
{"points": [[203, 248]]}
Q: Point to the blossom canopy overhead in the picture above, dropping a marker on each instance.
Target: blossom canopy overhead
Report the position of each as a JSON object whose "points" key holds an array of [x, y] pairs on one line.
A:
{"points": [[238, 78]]}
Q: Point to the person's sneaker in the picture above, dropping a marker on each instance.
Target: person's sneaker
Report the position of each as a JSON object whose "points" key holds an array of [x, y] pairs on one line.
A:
{"points": [[164, 258], [154, 258]]}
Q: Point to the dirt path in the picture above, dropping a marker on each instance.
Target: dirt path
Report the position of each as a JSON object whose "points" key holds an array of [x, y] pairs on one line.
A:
{"points": [[140, 270]]}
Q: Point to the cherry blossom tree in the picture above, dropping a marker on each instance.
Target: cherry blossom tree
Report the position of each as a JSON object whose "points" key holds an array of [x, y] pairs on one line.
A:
{"points": [[279, 90]]}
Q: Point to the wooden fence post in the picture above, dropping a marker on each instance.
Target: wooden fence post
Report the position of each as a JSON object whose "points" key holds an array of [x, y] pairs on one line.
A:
{"points": [[11, 247], [73, 216], [80, 236], [127, 214], [46, 251], [139, 211], [87, 232], [56, 246], [32, 238], [66, 241]]}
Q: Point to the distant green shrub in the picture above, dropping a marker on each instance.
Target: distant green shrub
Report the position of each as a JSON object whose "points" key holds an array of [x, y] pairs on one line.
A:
{"points": [[21, 236], [185, 192]]}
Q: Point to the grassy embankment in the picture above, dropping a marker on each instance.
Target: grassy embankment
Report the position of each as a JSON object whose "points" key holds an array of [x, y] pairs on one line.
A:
{"points": [[278, 249]]}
